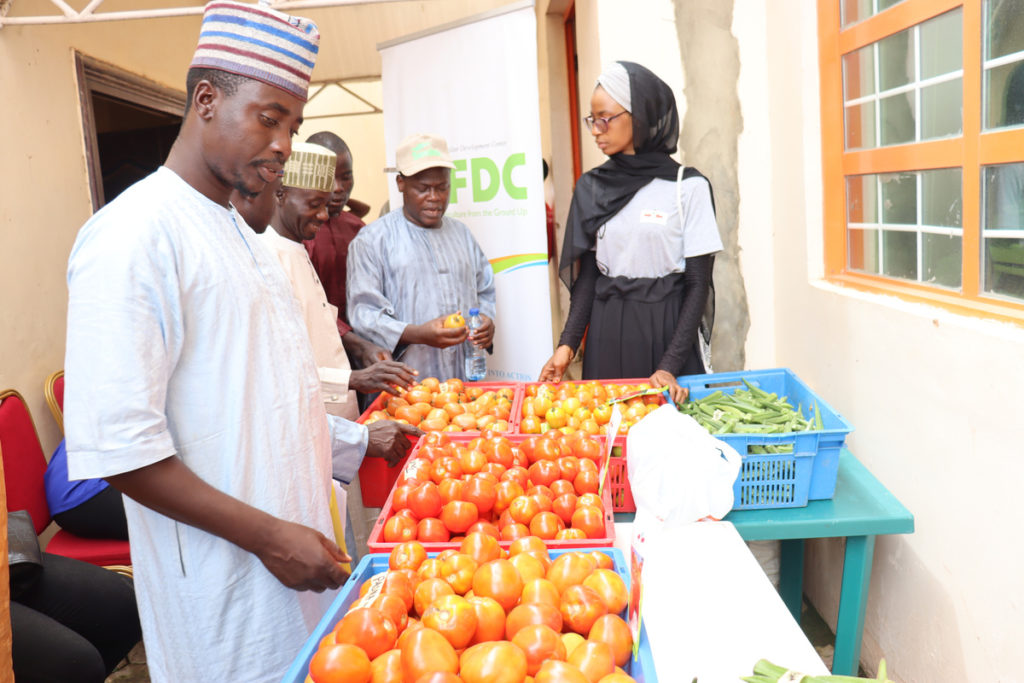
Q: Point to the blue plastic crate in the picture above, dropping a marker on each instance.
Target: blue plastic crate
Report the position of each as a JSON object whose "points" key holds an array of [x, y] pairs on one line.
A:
{"points": [[785, 479], [641, 668]]}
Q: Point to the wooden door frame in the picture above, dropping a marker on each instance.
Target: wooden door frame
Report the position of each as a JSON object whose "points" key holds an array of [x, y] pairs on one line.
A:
{"points": [[96, 76]]}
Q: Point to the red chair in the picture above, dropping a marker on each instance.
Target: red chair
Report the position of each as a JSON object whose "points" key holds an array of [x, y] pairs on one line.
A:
{"points": [[54, 392], [24, 465]]}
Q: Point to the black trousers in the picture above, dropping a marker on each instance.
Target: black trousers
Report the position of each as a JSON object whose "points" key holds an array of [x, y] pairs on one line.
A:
{"points": [[102, 516], [73, 623]]}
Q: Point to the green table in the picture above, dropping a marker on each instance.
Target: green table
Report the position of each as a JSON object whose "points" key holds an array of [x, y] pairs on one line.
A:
{"points": [[861, 509]]}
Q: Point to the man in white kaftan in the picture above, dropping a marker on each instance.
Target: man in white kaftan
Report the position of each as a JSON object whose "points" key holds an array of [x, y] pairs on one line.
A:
{"points": [[162, 281], [190, 383]]}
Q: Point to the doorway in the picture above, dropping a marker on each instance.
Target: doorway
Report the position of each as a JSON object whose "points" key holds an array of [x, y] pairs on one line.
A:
{"points": [[129, 124]]}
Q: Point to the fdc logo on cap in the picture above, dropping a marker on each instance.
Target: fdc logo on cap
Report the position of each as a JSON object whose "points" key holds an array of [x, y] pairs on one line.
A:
{"points": [[421, 151]]}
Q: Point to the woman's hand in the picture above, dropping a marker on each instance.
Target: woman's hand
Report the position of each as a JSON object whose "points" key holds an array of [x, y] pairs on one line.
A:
{"points": [[664, 378], [556, 365]]}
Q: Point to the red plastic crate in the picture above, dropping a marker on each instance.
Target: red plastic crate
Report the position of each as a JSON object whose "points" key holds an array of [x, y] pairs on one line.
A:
{"points": [[618, 480], [376, 479], [376, 543]]}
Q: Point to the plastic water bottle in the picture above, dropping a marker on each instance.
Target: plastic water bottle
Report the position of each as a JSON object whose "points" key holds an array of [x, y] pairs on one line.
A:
{"points": [[476, 357]]}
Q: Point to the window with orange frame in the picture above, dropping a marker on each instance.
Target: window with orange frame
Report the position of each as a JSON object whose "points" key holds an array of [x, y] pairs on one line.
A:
{"points": [[923, 150]]}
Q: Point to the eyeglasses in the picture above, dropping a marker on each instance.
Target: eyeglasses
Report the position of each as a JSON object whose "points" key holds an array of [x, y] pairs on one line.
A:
{"points": [[600, 123]]}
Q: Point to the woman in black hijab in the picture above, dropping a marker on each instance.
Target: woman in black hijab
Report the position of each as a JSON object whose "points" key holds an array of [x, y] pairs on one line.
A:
{"points": [[639, 245]]}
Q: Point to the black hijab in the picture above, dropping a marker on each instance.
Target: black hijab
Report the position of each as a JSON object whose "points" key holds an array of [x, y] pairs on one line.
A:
{"points": [[602, 192]]}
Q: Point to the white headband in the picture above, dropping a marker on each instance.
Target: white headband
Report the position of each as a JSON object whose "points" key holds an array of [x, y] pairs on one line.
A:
{"points": [[615, 81]]}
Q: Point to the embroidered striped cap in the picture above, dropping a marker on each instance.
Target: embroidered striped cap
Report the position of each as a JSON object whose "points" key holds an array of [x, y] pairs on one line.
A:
{"points": [[259, 43], [310, 167]]}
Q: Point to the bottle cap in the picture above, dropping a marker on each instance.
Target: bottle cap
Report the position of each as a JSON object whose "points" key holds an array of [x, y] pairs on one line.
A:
{"points": [[474, 311]]}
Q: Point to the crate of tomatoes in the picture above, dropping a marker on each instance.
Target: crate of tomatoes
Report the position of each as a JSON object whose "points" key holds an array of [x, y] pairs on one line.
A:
{"points": [[479, 614], [587, 407], [505, 486], [435, 406], [584, 406]]}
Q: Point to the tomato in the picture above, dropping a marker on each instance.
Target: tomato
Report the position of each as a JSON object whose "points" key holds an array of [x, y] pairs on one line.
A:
{"points": [[604, 561], [425, 500], [546, 525], [610, 587], [424, 651], [408, 555], [393, 607], [519, 474], [591, 499], [494, 662], [542, 591], [387, 668], [568, 467], [458, 515], [528, 566], [472, 461], [428, 591], [399, 528], [542, 491], [594, 659], [430, 569], [483, 527], [457, 570], [453, 617], [400, 499], [431, 530], [494, 469], [439, 677], [563, 506], [451, 489], [539, 643], [544, 472], [587, 448], [490, 619], [547, 449], [367, 628], [532, 613], [581, 607], [523, 508], [586, 482], [617, 677], [570, 534], [612, 630], [527, 446], [570, 569], [445, 467], [401, 584], [498, 579], [528, 543], [341, 663], [589, 519], [481, 547], [507, 491], [513, 531], [481, 493], [554, 671]]}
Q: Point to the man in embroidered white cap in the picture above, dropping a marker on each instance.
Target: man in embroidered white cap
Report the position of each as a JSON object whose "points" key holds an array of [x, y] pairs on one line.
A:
{"points": [[301, 210], [414, 266], [191, 386]]}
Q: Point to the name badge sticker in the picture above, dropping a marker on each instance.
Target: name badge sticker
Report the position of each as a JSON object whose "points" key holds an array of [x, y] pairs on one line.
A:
{"points": [[653, 216]]}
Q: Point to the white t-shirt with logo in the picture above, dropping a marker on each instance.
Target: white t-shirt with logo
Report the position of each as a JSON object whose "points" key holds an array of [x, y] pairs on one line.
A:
{"points": [[646, 238]]}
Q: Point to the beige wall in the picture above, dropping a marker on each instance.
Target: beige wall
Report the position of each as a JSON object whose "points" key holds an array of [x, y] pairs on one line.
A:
{"points": [[44, 194], [933, 397]]}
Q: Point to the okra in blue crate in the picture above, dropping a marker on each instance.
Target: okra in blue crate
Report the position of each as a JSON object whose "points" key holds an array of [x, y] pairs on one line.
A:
{"points": [[788, 436]]}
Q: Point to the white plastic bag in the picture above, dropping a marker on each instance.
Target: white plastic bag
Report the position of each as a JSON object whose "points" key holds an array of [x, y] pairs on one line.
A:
{"points": [[678, 472]]}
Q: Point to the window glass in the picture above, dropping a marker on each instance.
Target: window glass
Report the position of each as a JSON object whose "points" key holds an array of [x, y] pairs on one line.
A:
{"points": [[863, 248], [941, 198], [853, 11], [896, 60], [942, 260], [1004, 34], [899, 199], [942, 109], [861, 192], [942, 44], [859, 73], [899, 254], [1003, 230], [1004, 95], [860, 125]]}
